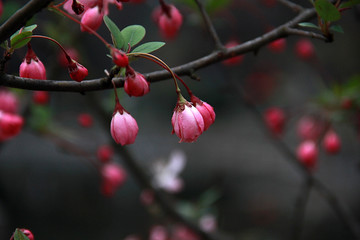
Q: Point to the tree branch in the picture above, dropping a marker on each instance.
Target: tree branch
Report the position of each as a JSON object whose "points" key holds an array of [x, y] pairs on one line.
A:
{"points": [[185, 69], [20, 17]]}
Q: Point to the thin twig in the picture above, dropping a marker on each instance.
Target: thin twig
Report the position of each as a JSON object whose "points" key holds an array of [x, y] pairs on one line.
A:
{"points": [[210, 27], [299, 32], [295, 7]]}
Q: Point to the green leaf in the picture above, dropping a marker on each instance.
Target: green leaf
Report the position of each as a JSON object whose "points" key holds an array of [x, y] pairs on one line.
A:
{"points": [[337, 28], [116, 35], [149, 47], [216, 5], [349, 4], [133, 34], [308, 24], [19, 235], [327, 11], [16, 40], [40, 117]]}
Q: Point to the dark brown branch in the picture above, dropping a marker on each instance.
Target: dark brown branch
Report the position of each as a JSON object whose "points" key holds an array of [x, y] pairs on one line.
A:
{"points": [[19, 19], [185, 69], [295, 7], [209, 25]]}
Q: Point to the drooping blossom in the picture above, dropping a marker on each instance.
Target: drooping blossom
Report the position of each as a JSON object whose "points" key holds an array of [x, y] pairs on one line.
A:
{"points": [[113, 176], [32, 67], [168, 19], [304, 49], [275, 120], [8, 101], [123, 127], [206, 111], [10, 125], [307, 153], [92, 19], [135, 83], [166, 173], [331, 142], [77, 71], [119, 57], [187, 121]]}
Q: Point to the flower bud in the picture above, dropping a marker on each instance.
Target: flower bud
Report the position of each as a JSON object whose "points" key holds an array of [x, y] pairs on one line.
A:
{"points": [[331, 142], [304, 49], [8, 101], [113, 176], [92, 18], [278, 45], [119, 57], [135, 83], [32, 67], [206, 111], [275, 120], [169, 20], [307, 153], [123, 128], [10, 125], [77, 71], [27, 233], [41, 97], [234, 60], [187, 121], [85, 120], [105, 153]]}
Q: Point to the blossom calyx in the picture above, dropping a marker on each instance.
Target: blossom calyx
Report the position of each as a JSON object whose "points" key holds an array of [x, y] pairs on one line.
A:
{"points": [[135, 83], [187, 121]]}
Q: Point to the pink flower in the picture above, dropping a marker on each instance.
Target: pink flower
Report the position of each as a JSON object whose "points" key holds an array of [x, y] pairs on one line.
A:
{"points": [[304, 49], [10, 125], [32, 67], [8, 101], [331, 142], [307, 153], [92, 18], [135, 83], [119, 57], [187, 121], [92, 3], [169, 20], [275, 120], [206, 111], [77, 71], [124, 128], [113, 176]]}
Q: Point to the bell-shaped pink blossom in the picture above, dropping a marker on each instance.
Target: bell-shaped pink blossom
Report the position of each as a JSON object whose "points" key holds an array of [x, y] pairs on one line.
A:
{"points": [[119, 57], [307, 153], [10, 125], [169, 20], [77, 71], [124, 128], [32, 67], [92, 19], [8, 101], [206, 111], [113, 176], [187, 121], [135, 83]]}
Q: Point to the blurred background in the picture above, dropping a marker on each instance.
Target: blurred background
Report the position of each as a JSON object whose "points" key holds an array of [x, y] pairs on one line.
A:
{"points": [[48, 187]]}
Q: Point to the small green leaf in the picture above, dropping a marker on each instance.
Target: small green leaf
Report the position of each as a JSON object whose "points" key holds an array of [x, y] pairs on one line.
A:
{"points": [[216, 5], [349, 4], [327, 11], [308, 24], [117, 37], [337, 28], [18, 41], [133, 34], [148, 47], [19, 235], [40, 117]]}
